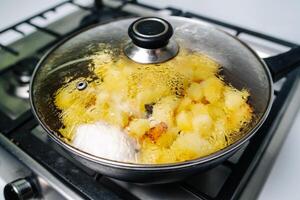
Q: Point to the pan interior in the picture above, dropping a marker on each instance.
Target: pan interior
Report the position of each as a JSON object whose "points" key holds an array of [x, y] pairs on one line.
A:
{"points": [[240, 66]]}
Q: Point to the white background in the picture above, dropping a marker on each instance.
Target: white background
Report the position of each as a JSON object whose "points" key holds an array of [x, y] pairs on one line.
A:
{"points": [[275, 17]]}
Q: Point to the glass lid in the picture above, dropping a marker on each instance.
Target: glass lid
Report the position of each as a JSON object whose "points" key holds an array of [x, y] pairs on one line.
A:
{"points": [[150, 90]]}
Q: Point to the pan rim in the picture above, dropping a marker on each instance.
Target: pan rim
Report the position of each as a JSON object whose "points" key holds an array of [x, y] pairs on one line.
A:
{"points": [[152, 167]]}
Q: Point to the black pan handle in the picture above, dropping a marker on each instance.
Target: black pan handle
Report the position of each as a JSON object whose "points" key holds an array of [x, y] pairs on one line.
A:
{"points": [[280, 65]]}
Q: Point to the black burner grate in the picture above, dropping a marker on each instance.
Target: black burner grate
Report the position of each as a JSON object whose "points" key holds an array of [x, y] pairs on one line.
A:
{"points": [[226, 181]]}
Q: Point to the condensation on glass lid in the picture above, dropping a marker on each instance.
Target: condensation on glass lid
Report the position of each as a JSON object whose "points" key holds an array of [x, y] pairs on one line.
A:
{"points": [[156, 113]]}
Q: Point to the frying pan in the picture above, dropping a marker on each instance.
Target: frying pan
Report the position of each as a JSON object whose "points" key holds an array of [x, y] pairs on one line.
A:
{"points": [[152, 41]]}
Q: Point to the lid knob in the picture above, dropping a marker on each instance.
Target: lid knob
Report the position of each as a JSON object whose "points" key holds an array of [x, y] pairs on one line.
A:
{"points": [[150, 32], [151, 41]]}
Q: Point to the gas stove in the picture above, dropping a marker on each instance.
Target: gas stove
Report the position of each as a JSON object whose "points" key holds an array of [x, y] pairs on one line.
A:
{"points": [[35, 167]]}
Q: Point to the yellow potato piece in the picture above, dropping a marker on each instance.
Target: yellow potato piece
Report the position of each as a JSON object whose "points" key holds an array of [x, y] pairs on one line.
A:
{"points": [[184, 121], [189, 146], [184, 104], [234, 98], [202, 124], [163, 111], [167, 139], [138, 127], [195, 91], [212, 89]]}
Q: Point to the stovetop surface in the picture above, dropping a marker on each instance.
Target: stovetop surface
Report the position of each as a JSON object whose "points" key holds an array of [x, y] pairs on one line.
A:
{"points": [[227, 181]]}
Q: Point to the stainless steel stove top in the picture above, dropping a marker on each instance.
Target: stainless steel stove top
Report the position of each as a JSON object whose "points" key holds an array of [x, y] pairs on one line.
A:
{"points": [[29, 153]]}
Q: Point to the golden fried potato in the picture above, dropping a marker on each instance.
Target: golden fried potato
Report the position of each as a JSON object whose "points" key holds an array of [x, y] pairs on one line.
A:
{"points": [[138, 127], [163, 110], [177, 110], [189, 146]]}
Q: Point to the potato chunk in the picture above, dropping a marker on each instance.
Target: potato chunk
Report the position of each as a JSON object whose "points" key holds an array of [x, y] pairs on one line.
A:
{"points": [[195, 92], [163, 111], [167, 139], [138, 127], [202, 123], [185, 104], [213, 89], [189, 146], [234, 98], [184, 121], [117, 117]]}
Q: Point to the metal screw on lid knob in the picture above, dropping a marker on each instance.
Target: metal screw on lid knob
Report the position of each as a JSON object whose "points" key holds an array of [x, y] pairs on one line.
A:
{"points": [[151, 41]]}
